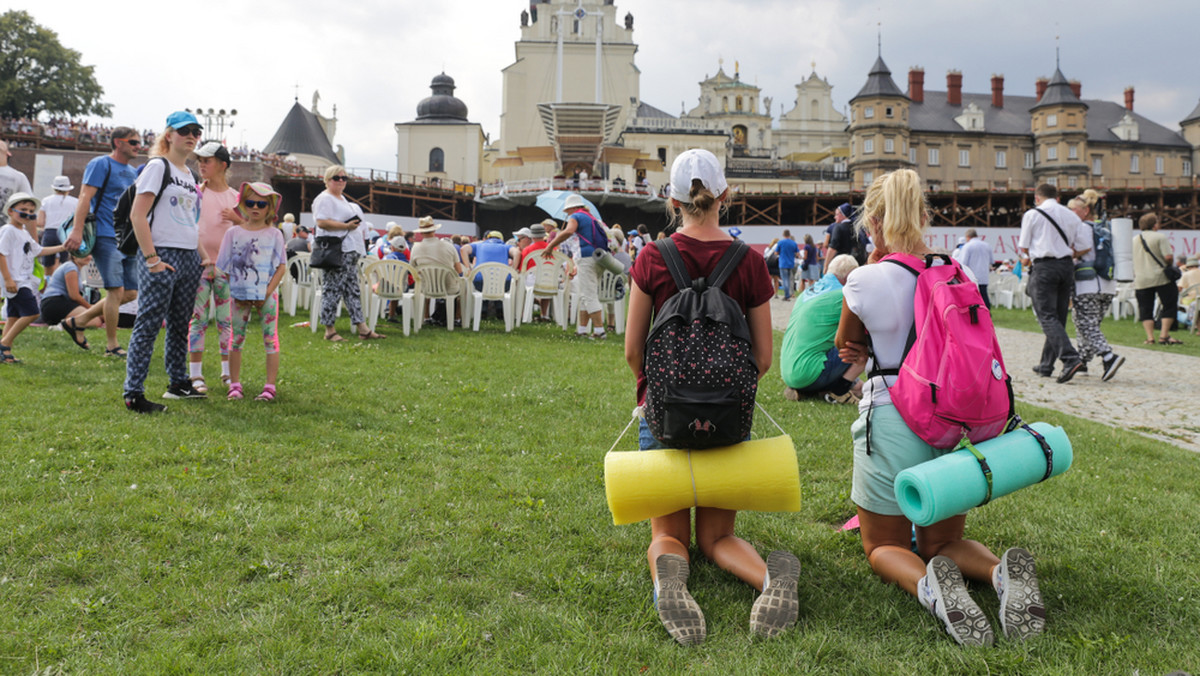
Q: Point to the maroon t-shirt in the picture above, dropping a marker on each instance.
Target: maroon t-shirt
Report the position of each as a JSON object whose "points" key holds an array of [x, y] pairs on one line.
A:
{"points": [[749, 285]]}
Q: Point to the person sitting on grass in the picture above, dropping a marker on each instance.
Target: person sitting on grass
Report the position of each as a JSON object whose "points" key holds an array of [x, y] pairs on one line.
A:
{"points": [[878, 300], [64, 300], [254, 258], [18, 249], [698, 197], [808, 359]]}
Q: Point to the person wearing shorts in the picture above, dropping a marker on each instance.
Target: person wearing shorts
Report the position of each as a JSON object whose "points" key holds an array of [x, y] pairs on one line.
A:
{"points": [[1152, 253], [18, 251], [879, 302], [104, 180]]}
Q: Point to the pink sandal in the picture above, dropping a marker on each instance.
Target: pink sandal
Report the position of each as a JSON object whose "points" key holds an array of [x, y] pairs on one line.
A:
{"points": [[235, 391], [268, 394]]}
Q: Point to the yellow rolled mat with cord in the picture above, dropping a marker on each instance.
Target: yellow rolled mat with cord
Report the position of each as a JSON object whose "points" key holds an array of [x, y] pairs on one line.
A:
{"points": [[761, 475]]}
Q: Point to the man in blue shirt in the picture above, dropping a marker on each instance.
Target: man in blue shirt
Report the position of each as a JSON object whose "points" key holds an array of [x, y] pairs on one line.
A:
{"points": [[787, 248], [104, 179]]}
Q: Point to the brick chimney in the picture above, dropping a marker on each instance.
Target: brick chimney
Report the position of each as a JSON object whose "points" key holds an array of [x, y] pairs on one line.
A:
{"points": [[997, 91], [954, 87], [916, 84], [1042, 83], [1129, 99], [1076, 88]]}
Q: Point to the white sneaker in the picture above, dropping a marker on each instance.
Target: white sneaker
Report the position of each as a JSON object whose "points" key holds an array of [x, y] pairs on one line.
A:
{"points": [[1021, 611], [679, 612], [778, 606], [949, 601]]}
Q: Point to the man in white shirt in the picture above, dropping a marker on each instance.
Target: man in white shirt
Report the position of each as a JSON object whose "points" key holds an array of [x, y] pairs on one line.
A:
{"points": [[977, 255], [12, 182], [1046, 241], [55, 210]]}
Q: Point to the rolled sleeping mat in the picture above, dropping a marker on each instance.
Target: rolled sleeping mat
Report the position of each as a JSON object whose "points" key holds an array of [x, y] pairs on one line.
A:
{"points": [[761, 475], [955, 482], [1122, 234]]}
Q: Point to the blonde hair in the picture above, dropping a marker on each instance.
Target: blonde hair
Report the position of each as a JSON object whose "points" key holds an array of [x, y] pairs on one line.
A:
{"points": [[162, 144], [1086, 199], [701, 201], [333, 170], [896, 203]]}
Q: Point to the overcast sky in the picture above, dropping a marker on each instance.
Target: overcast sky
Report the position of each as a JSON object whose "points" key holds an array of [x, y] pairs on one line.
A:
{"points": [[374, 58]]}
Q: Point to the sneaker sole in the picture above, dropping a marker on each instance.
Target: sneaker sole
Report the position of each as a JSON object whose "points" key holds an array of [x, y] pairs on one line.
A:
{"points": [[778, 606], [1022, 613], [679, 612], [1111, 371], [171, 395], [964, 621]]}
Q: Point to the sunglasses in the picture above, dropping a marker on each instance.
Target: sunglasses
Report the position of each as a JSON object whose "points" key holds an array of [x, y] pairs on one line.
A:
{"points": [[342, 177], [25, 215], [256, 204], [190, 131], [131, 141]]}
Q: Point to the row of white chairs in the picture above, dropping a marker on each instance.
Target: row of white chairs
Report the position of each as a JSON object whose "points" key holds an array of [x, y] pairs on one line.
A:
{"points": [[416, 288]]}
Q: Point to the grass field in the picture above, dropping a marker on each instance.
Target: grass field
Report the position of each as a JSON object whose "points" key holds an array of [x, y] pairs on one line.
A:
{"points": [[435, 504]]}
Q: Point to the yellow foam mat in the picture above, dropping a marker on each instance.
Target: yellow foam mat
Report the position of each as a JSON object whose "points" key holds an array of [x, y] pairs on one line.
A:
{"points": [[761, 475]]}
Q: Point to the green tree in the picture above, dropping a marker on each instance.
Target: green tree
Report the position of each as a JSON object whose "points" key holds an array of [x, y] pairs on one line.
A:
{"points": [[37, 73]]}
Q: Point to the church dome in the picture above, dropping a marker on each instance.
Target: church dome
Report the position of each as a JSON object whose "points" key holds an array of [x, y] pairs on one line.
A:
{"points": [[443, 105]]}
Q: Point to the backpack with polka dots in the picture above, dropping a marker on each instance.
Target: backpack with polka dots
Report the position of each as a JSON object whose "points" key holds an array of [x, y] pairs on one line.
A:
{"points": [[701, 375]]}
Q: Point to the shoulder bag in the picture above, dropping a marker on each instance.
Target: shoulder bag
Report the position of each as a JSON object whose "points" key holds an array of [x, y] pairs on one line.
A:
{"points": [[1173, 273]]}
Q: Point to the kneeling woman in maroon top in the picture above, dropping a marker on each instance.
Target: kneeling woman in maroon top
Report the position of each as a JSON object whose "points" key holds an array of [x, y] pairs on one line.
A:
{"points": [[698, 194]]}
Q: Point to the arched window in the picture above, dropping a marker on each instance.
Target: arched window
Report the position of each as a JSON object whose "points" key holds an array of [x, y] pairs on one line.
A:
{"points": [[437, 161], [739, 104]]}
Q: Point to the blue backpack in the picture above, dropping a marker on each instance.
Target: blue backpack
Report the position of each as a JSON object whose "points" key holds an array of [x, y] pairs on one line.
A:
{"points": [[1102, 242]]}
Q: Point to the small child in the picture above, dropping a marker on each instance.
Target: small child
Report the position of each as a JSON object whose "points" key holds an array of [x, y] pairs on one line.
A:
{"points": [[18, 249], [254, 258]]}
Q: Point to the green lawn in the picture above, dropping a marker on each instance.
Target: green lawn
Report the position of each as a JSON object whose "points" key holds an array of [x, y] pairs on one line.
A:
{"points": [[436, 504], [1126, 331]]}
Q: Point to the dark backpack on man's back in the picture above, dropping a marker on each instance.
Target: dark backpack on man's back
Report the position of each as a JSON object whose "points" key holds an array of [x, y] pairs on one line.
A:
{"points": [[122, 215], [701, 375]]}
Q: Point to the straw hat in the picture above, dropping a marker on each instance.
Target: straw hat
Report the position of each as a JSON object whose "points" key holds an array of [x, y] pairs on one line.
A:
{"points": [[425, 225]]}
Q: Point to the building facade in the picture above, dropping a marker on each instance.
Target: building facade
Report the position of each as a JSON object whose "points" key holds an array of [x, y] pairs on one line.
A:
{"points": [[441, 144]]}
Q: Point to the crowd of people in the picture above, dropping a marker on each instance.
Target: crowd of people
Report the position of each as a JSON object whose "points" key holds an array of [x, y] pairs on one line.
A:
{"points": [[26, 130]]}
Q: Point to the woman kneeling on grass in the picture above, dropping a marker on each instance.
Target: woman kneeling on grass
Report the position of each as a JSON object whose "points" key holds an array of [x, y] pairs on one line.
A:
{"points": [[878, 299], [254, 258], [698, 193]]}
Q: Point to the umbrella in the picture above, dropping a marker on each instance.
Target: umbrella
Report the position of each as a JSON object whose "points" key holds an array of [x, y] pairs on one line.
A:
{"points": [[551, 202]]}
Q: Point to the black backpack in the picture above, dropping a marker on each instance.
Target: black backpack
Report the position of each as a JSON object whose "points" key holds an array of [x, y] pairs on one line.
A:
{"points": [[122, 221], [701, 375]]}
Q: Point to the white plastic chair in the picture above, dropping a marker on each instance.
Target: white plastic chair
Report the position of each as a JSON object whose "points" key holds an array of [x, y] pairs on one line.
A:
{"points": [[549, 281], [437, 282], [1123, 298], [495, 276], [314, 305], [388, 280], [608, 298], [299, 291]]}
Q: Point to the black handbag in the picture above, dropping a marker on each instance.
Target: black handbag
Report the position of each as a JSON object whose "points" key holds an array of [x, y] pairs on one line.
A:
{"points": [[326, 253]]}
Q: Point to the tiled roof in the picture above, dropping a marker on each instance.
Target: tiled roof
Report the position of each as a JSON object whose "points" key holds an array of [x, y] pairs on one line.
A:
{"points": [[879, 82], [301, 133]]}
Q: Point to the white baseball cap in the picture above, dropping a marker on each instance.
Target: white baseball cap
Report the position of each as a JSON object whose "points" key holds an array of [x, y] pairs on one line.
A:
{"points": [[696, 164]]}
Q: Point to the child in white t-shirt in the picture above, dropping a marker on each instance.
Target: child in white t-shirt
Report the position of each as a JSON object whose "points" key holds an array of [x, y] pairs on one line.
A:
{"points": [[17, 253], [254, 259]]}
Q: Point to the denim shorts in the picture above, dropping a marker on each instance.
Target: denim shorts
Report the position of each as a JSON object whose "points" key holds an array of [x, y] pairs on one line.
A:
{"points": [[894, 448], [116, 269]]}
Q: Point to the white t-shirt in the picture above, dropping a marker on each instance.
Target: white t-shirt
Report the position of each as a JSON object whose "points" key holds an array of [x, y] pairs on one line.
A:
{"points": [[881, 295], [174, 221], [326, 207], [11, 181], [19, 250], [58, 208]]}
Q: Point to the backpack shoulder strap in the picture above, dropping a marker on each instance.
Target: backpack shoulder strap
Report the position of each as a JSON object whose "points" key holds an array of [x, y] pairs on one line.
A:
{"points": [[166, 179], [728, 263], [1142, 239], [912, 332], [674, 262], [1056, 227]]}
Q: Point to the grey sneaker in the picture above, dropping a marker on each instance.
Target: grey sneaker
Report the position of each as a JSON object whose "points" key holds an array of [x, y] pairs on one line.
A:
{"points": [[679, 612], [778, 606], [1021, 611], [951, 603], [1111, 365]]}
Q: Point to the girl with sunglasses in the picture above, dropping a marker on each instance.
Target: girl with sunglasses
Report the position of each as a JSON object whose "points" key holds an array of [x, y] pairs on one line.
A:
{"points": [[253, 259], [171, 256], [337, 216]]}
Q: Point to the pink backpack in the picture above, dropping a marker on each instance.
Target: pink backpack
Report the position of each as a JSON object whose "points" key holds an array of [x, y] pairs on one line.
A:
{"points": [[951, 382]]}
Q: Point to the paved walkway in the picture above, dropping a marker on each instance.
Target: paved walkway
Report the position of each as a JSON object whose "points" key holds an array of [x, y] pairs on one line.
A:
{"points": [[1156, 393]]}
